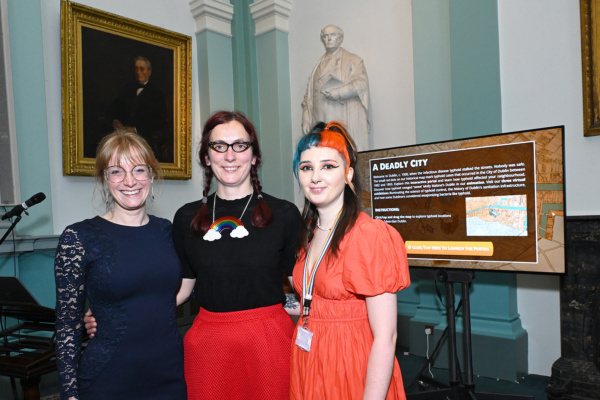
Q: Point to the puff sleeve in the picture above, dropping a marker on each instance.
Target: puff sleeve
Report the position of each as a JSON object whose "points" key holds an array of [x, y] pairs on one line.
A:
{"points": [[374, 259]]}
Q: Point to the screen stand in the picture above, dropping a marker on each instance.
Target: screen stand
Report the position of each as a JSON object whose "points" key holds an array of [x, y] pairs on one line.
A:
{"points": [[456, 390]]}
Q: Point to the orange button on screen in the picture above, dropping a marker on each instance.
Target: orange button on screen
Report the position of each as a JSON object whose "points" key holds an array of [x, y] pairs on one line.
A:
{"points": [[450, 248]]}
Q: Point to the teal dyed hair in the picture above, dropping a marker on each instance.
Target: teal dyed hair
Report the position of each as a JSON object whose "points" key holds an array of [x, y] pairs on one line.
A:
{"points": [[312, 139], [334, 136]]}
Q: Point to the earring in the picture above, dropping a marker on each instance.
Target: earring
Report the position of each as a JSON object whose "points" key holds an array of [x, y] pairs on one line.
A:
{"points": [[152, 191], [106, 195]]}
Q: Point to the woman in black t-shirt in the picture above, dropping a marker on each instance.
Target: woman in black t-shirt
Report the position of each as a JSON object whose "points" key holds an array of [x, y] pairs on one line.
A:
{"points": [[235, 246]]}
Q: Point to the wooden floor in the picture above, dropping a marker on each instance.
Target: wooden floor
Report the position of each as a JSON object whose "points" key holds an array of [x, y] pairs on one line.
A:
{"points": [[533, 385]]}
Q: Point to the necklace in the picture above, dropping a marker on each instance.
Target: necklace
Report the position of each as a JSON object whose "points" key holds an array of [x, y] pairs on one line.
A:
{"points": [[321, 227], [233, 223]]}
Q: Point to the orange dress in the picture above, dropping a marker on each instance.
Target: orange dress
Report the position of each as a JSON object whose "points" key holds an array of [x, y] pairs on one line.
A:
{"points": [[371, 261]]}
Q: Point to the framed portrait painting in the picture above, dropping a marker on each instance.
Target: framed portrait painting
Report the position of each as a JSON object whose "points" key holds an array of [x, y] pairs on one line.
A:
{"points": [[118, 73], [590, 60]]}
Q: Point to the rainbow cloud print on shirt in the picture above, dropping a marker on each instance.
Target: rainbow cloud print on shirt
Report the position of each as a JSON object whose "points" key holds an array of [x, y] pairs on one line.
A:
{"points": [[237, 229]]}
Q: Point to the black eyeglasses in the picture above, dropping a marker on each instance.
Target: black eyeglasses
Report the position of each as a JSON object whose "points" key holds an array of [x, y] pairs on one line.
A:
{"points": [[222, 147]]}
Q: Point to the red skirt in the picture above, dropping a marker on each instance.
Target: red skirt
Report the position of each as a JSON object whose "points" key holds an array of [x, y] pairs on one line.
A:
{"points": [[239, 355]]}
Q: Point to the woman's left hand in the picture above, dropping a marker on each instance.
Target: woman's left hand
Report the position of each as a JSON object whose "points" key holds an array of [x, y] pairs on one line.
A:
{"points": [[382, 312]]}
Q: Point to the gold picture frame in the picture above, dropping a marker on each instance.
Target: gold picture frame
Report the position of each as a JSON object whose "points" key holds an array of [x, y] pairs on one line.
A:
{"points": [[99, 52], [590, 61]]}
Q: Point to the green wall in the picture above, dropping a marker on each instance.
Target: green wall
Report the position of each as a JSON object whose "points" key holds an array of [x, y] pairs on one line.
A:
{"points": [[34, 265], [458, 95], [27, 55]]}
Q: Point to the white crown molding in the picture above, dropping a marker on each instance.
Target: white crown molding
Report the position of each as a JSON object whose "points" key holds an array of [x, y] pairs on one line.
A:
{"points": [[212, 15], [271, 14]]}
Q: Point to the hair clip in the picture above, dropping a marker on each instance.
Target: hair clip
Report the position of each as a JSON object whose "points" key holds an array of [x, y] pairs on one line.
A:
{"points": [[204, 200], [259, 196]]}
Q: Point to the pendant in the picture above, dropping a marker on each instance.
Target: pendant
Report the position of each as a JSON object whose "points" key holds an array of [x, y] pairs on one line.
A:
{"points": [[238, 229]]}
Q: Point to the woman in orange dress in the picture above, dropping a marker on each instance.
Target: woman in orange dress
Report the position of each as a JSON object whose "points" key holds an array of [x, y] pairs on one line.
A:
{"points": [[348, 271]]}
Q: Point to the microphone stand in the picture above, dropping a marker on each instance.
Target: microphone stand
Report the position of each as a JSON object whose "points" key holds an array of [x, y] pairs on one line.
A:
{"points": [[12, 226]]}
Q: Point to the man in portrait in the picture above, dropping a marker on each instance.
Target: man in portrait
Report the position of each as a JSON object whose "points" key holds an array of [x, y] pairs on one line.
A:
{"points": [[338, 89], [141, 107]]}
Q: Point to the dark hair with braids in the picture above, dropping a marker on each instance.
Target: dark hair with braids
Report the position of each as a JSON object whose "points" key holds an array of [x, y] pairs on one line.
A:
{"points": [[261, 216]]}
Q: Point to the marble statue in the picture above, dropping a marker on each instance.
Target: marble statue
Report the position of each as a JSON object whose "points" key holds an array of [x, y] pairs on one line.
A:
{"points": [[338, 89]]}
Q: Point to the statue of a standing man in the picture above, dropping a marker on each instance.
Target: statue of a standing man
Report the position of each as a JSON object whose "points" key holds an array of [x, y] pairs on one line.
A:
{"points": [[338, 89]]}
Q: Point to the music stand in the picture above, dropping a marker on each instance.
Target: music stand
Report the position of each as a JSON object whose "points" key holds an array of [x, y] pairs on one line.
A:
{"points": [[456, 391]]}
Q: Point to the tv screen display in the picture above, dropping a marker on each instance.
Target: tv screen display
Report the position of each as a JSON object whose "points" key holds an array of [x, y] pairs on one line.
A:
{"points": [[491, 203]]}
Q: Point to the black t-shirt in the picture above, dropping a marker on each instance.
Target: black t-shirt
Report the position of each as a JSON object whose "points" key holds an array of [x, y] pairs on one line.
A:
{"points": [[234, 274]]}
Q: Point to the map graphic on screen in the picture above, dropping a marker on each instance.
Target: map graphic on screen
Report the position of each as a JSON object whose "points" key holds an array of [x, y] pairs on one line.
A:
{"points": [[492, 203], [496, 215]]}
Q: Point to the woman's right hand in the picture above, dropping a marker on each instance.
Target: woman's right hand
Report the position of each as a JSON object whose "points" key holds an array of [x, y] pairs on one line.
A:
{"points": [[90, 323]]}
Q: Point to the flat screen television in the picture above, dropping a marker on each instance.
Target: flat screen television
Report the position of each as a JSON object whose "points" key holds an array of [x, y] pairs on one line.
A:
{"points": [[493, 202]]}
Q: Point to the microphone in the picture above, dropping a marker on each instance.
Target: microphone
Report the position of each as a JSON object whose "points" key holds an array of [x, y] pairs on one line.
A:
{"points": [[17, 210]]}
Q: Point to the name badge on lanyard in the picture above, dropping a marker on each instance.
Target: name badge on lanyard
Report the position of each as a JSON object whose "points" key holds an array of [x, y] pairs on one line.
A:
{"points": [[304, 338], [304, 335]]}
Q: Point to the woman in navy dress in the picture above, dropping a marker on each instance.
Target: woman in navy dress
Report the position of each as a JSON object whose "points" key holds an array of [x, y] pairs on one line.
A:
{"points": [[125, 264], [235, 246]]}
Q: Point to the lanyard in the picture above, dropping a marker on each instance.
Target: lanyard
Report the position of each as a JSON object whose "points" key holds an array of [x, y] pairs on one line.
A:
{"points": [[308, 281]]}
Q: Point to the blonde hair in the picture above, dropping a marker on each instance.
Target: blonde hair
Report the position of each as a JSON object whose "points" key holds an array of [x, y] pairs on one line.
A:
{"points": [[124, 146]]}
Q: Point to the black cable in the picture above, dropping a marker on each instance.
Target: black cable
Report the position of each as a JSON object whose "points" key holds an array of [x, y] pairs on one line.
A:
{"points": [[439, 294], [431, 360]]}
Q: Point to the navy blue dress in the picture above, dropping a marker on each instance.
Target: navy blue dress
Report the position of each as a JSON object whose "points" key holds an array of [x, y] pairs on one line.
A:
{"points": [[130, 276]]}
